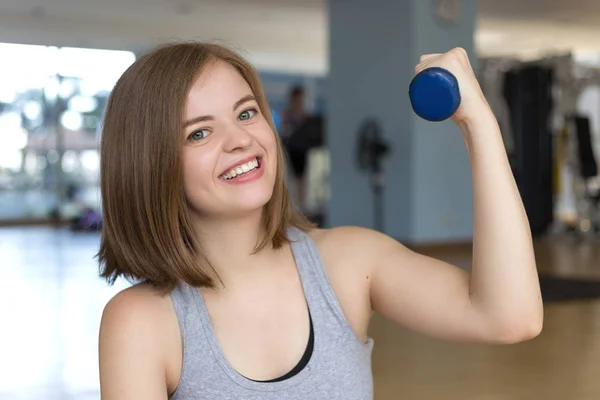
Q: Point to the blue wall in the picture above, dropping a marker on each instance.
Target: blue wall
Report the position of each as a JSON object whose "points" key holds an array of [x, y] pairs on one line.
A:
{"points": [[442, 193]]}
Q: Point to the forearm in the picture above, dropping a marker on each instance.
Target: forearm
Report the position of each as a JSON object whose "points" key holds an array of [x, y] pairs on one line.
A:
{"points": [[504, 281]]}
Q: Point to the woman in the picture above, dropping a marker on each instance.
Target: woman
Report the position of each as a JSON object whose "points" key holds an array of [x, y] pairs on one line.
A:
{"points": [[238, 296]]}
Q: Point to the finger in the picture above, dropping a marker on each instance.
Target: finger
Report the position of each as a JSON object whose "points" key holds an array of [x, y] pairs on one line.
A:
{"points": [[426, 57], [425, 64]]}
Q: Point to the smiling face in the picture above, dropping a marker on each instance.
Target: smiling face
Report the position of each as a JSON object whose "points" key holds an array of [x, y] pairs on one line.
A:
{"points": [[230, 151]]}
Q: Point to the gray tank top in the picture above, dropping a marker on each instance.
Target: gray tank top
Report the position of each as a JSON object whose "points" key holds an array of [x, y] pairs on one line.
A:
{"points": [[338, 369]]}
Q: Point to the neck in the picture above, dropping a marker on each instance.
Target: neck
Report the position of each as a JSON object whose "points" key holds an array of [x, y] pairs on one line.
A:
{"points": [[229, 244]]}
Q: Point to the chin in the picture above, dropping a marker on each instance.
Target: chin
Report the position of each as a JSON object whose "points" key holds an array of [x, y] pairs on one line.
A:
{"points": [[241, 203], [231, 210], [240, 209], [249, 202]]}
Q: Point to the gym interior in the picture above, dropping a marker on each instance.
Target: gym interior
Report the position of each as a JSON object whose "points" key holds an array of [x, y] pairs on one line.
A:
{"points": [[364, 158]]}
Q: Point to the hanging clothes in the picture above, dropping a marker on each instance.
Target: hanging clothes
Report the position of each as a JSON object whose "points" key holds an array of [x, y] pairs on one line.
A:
{"points": [[528, 94]]}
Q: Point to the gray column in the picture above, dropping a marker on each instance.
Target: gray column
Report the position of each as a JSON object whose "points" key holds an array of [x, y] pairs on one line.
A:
{"points": [[374, 46]]}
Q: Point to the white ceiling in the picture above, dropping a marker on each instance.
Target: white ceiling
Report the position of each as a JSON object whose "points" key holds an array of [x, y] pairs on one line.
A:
{"points": [[280, 34], [531, 27], [284, 34]]}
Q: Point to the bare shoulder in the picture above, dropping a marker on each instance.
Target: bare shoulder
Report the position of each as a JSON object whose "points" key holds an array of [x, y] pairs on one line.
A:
{"points": [[353, 241], [134, 308], [138, 343], [336, 236], [348, 255]]}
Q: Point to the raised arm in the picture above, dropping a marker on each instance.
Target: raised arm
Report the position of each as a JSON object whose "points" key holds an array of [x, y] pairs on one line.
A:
{"points": [[499, 301]]}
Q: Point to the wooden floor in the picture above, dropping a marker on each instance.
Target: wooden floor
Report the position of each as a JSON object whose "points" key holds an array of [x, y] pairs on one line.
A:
{"points": [[51, 301], [563, 363]]}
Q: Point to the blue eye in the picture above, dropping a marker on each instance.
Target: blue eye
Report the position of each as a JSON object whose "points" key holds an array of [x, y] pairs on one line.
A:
{"points": [[245, 115], [198, 135]]}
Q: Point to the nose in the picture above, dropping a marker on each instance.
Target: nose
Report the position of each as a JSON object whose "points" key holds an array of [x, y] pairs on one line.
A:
{"points": [[237, 138]]}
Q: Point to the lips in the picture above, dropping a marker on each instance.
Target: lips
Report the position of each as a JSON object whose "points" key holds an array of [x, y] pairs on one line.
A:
{"points": [[241, 168]]}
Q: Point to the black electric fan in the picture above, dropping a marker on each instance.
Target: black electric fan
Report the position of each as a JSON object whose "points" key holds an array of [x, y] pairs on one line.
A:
{"points": [[371, 148]]}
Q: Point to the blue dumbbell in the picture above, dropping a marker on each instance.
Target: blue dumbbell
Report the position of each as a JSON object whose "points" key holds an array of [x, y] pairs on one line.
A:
{"points": [[434, 94]]}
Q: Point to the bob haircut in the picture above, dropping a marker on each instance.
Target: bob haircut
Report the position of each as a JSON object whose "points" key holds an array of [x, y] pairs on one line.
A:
{"points": [[147, 235]]}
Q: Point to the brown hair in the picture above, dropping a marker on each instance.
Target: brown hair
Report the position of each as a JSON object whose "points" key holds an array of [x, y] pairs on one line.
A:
{"points": [[147, 234]]}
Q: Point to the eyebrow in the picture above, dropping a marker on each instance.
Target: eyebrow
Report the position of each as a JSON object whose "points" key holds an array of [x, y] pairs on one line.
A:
{"points": [[203, 118]]}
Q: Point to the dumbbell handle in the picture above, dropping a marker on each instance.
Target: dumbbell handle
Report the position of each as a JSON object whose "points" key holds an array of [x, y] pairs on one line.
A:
{"points": [[434, 94]]}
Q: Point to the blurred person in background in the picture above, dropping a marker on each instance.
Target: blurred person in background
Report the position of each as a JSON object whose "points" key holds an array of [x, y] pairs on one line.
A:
{"points": [[293, 117]]}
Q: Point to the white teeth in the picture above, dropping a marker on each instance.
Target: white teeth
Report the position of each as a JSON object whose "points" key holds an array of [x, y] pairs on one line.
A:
{"points": [[241, 169]]}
